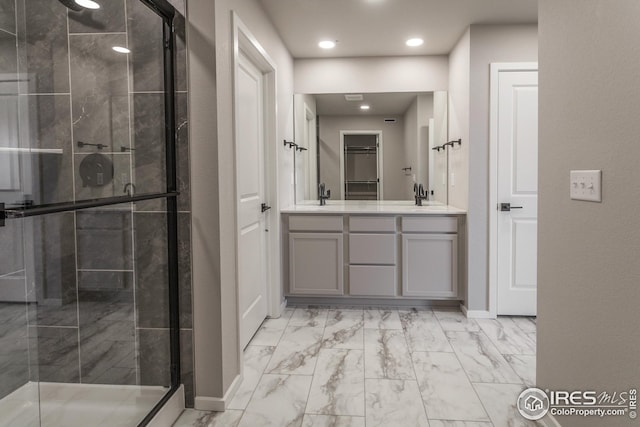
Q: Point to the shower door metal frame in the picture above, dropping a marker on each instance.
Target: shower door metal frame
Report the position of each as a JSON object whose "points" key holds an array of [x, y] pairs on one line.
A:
{"points": [[167, 12]]}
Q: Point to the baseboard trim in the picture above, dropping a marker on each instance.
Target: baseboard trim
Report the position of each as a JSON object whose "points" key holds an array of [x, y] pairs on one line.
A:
{"points": [[476, 314], [368, 302], [171, 410], [549, 421], [217, 404], [283, 306]]}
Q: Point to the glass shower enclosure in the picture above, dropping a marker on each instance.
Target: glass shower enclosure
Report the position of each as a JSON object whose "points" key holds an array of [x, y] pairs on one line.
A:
{"points": [[88, 212]]}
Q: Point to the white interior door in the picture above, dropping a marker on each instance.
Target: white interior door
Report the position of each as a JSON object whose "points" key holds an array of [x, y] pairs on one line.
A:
{"points": [[312, 150], [252, 252], [431, 154], [517, 226]]}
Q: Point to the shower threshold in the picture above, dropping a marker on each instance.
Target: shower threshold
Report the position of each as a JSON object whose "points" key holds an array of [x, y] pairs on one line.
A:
{"points": [[78, 405]]}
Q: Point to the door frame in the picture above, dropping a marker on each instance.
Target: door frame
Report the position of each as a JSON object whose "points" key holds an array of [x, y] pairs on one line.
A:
{"points": [[245, 41], [495, 70], [380, 155]]}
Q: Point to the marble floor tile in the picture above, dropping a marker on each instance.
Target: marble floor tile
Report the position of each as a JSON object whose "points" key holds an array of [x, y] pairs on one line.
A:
{"points": [[455, 321], [423, 331], [533, 337], [527, 324], [332, 421], [297, 351], [338, 383], [445, 388], [344, 329], [312, 316], [507, 336], [271, 330], [525, 367], [193, 418], [279, 400], [386, 355], [481, 359], [256, 359], [394, 403], [450, 423], [337, 315], [500, 402], [381, 318]]}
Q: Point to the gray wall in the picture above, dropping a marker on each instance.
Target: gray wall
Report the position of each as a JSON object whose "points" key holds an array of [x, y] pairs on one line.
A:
{"points": [[469, 118], [489, 43], [379, 74], [588, 269], [217, 352]]}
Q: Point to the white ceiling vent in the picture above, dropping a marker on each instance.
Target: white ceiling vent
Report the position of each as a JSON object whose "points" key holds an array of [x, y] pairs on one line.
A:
{"points": [[390, 120], [354, 97]]}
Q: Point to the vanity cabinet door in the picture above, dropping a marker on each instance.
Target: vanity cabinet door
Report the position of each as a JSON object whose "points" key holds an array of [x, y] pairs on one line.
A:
{"points": [[429, 265], [316, 264]]}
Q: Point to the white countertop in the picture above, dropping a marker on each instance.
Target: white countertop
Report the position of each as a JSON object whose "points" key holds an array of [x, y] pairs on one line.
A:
{"points": [[373, 207]]}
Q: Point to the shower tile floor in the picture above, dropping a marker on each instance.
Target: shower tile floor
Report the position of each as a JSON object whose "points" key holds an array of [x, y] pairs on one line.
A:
{"points": [[78, 405], [380, 367]]}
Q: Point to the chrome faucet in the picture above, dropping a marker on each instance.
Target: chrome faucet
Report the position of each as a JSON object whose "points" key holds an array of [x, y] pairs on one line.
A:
{"points": [[323, 196], [419, 194]]}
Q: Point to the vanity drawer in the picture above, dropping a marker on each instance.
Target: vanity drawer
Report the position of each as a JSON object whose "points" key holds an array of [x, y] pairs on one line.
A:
{"points": [[372, 280], [372, 249], [374, 224], [432, 224], [315, 223]]}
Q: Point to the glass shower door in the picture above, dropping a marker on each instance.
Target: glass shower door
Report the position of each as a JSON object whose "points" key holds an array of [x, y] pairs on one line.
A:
{"points": [[88, 213]]}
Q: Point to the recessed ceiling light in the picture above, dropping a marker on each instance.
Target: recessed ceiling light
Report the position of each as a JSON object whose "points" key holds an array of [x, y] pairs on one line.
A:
{"points": [[121, 49], [327, 44], [89, 4], [364, 107], [415, 42]]}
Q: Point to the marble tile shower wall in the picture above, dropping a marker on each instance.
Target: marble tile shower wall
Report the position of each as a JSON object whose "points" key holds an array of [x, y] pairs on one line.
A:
{"points": [[99, 276]]}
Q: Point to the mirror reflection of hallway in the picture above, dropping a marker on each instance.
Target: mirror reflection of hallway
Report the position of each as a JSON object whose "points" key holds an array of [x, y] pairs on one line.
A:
{"points": [[360, 176], [409, 125]]}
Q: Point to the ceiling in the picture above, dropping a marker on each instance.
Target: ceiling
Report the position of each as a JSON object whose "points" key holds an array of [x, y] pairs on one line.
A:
{"points": [[382, 104], [381, 27]]}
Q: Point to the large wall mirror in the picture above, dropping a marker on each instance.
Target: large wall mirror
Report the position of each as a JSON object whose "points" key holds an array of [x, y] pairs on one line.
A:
{"points": [[371, 146]]}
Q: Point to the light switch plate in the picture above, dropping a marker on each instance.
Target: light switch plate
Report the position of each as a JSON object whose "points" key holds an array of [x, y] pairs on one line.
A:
{"points": [[586, 185]]}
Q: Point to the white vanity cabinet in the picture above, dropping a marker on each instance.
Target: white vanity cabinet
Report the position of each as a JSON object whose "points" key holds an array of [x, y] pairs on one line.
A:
{"points": [[430, 257], [373, 256], [316, 261]]}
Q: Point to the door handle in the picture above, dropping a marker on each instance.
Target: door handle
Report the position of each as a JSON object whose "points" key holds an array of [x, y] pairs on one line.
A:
{"points": [[264, 207], [506, 207]]}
